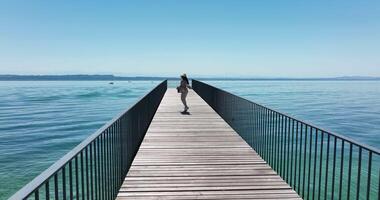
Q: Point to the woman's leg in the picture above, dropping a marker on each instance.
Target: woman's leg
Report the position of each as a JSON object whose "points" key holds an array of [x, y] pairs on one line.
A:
{"points": [[183, 99]]}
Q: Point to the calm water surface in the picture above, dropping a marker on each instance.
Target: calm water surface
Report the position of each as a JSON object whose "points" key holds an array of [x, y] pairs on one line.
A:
{"points": [[351, 108], [41, 121]]}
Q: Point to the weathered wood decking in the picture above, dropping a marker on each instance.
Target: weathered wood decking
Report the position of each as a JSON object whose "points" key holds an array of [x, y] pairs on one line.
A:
{"points": [[198, 156]]}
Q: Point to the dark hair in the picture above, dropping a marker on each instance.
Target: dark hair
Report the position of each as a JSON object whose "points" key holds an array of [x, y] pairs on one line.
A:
{"points": [[185, 79]]}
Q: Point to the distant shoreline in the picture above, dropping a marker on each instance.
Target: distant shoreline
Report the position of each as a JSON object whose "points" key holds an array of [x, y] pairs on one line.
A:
{"points": [[149, 78]]}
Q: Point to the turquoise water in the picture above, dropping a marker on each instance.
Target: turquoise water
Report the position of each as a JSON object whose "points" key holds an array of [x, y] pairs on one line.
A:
{"points": [[351, 108], [41, 121]]}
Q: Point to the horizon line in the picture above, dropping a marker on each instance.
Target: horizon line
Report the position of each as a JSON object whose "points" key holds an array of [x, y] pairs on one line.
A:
{"points": [[116, 77]]}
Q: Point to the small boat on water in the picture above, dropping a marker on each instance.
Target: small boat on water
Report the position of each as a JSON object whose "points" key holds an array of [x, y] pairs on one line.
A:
{"points": [[111, 83]]}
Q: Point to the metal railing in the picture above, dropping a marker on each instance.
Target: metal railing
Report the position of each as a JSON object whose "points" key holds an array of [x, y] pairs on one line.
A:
{"points": [[316, 163], [96, 168]]}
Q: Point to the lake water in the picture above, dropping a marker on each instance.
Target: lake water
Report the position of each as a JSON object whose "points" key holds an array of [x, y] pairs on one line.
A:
{"points": [[351, 108], [41, 121]]}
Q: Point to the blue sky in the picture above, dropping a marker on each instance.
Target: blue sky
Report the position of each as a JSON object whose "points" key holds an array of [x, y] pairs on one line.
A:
{"points": [[211, 38]]}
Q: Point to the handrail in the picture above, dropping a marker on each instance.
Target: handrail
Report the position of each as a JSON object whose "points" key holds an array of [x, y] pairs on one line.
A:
{"points": [[340, 136], [115, 136], [298, 151]]}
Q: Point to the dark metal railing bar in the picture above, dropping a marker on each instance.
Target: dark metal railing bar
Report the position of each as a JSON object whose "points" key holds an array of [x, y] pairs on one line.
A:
{"points": [[109, 163], [47, 190], [271, 139], [122, 148], [260, 131], [268, 138], [304, 164], [288, 149], [98, 190], [282, 147], [71, 194], [267, 132], [114, 185], [110, 168], [309, 170], [56, 196], [300, 162], [333, 173], [279, 147], [284, 161], [104, 186], [121, 152], [106, 166], [117, 156], [36, 195], [257, 129], [115, 179], [278, 143], [87, 175], [82, 175], [114, 145], [110, 153], [254, 141], [264, 124], [369, 175], [320, 164], [349, 173], [282, 155], [112, 161], [252, 124], [327, 164], [341, 169], [264, 133], [76, 179], [291, 155], [315, 160], [91, 171], [63, 183], [95, 169], [295, 156], [284, 136], [359, 172]]}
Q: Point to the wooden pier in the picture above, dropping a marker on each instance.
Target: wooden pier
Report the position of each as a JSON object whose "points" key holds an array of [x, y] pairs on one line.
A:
{"points": [[198, 156]]}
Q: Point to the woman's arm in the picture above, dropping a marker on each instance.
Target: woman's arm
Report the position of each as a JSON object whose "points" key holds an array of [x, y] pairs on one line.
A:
{"points": [[188, 86]]}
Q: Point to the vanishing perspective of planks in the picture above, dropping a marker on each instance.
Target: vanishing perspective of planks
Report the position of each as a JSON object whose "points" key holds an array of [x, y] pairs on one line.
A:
{"points": [[198, 156]]}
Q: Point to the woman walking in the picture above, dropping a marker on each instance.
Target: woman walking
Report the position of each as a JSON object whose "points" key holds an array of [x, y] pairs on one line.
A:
{"points": [[183, 89]]}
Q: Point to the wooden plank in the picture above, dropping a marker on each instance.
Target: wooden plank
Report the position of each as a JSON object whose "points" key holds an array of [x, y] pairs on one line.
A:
{"points": [[198, 156]]}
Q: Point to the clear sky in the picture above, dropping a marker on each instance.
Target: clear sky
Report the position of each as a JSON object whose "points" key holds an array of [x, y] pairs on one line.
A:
{"points": [[254, 38]]}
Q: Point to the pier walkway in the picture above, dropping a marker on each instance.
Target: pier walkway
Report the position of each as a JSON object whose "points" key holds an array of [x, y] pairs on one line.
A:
{"points": [[198, 156]]}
